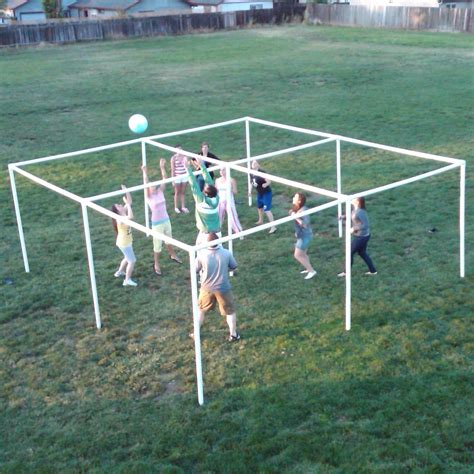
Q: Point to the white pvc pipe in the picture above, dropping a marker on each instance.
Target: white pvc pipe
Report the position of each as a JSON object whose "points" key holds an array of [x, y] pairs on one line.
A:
{"points": [[276, 222], [18, 220], [339, 184], [284, 151], [462, 211], [90, 261], [396, 184], [217, 164], [79, 152], [197, 329], [228, 193], [247, 153], [145, 192], [379, 146], [348, 265]]}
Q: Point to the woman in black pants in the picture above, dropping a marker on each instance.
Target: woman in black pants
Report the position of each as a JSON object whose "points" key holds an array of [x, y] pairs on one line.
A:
{"points": [[360, 234]]}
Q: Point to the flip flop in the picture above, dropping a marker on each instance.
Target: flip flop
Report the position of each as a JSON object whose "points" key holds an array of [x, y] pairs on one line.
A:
{"points": [[156, 272], [176, 259]]}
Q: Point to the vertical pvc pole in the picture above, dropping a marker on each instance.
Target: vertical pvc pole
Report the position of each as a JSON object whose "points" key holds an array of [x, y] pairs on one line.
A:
{"points": [[228, 194], [90, 260], [247, 146], [462, 211], [197, 329], [339, 184], [18, 221], [348, 265], [145, 200]]}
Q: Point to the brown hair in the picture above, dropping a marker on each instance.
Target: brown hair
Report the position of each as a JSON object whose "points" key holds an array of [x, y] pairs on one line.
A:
{"points": [[361, 201], [210, 190], [301, 202]]}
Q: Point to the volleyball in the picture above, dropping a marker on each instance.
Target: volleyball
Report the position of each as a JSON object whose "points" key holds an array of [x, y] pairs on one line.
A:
{"points": [[138, 123]]}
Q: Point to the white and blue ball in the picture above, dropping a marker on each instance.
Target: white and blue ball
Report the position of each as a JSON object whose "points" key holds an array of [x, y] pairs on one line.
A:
{"points": [[138, 123]]}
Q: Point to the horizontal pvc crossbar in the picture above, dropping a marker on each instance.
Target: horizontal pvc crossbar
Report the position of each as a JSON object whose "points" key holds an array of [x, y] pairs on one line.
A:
{"points": [[402, 182], [197, 129], [231, 165], [139, 227], [100, 209], [402, 151], [274, 223], [283, 151], [77, 153]]}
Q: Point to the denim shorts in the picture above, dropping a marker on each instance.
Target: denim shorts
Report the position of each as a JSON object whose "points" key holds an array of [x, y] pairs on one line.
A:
{"points": [[302, 242], [264, 201]]}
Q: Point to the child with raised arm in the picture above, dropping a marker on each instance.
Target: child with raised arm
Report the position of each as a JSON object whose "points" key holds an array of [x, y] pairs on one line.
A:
{"points": [[207, 202], [124, 239], [160, 220]]}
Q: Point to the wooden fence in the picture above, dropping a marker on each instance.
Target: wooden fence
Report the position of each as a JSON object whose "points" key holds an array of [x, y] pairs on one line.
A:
{"points": [[70, 31], [379, 16]]}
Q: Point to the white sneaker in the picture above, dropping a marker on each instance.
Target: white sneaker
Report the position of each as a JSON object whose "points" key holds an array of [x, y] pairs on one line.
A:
{"points": [[118, 274], [310, 275], [185, 210], [129, 282], [303, 272], [272, 230], [177, 210], [342, 274], [371, 273]]}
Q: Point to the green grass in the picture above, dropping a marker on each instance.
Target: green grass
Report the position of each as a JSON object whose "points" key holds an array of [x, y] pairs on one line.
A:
{"points": [[298, 394]]}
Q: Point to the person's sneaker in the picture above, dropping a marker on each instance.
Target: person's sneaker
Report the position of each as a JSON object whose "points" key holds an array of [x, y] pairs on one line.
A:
{"points": [[272, 230], [235, 338], [342, 274], [118, 274], [185, 210], [303, 272], [177, 210], [371, 273], [310, 275], [129, 282]]}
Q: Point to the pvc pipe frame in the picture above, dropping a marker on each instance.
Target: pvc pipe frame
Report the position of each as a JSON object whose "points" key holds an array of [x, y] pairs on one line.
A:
{"points": [[339, 199]]}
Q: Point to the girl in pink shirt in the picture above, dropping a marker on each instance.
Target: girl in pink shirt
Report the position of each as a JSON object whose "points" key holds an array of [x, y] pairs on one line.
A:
{"points": [[160, 220]]}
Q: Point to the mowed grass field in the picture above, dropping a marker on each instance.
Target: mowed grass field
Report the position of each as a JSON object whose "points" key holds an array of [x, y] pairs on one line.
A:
{"points": [[298, 393]]}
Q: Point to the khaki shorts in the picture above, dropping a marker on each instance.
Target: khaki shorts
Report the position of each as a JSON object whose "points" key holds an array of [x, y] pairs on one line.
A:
{"points": [[208, 299], [164, 228]]}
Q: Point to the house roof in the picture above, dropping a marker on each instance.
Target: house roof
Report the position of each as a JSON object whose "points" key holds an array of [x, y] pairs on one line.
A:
{"points": [[12, 4], [104, 4]]}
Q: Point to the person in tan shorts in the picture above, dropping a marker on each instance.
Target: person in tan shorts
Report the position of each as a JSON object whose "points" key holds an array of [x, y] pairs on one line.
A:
{"points": [[214, 264]]}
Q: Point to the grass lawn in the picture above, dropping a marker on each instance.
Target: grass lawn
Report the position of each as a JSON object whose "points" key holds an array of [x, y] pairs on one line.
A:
{"points": [[298, 393]]}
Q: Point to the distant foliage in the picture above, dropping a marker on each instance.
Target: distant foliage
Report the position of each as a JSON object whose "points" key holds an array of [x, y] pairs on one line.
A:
{"points": [[51, 8]]}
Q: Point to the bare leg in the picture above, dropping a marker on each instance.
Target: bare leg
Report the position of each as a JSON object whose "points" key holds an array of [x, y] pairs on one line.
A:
{"points": [[260, 216], [122, 266], [156, 258], [128, 273], [176, 194], [270, 219], [302, 257], [232, 323], [172, 253]]}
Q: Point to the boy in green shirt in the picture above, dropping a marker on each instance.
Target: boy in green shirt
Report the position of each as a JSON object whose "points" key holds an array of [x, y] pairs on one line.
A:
{"points": [[207, 201]]}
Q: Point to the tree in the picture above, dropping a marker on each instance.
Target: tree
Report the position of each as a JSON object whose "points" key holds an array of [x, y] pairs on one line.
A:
{"points": [[51, 8]]}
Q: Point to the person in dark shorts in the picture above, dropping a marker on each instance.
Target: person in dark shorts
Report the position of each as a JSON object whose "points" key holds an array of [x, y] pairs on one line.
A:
{"points": [[264, 196]]}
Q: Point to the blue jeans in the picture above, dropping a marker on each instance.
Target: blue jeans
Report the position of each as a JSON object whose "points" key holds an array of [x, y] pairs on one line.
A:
{"points": [[359, 245]]}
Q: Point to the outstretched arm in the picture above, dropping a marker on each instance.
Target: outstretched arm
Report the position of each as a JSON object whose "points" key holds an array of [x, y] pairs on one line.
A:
{"points": [[195, 189], [146, 181], [163, 173], [128, 202]]}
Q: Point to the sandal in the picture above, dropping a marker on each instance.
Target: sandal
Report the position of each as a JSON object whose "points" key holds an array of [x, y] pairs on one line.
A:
{"points": [[156, 272], [176, 259]]}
